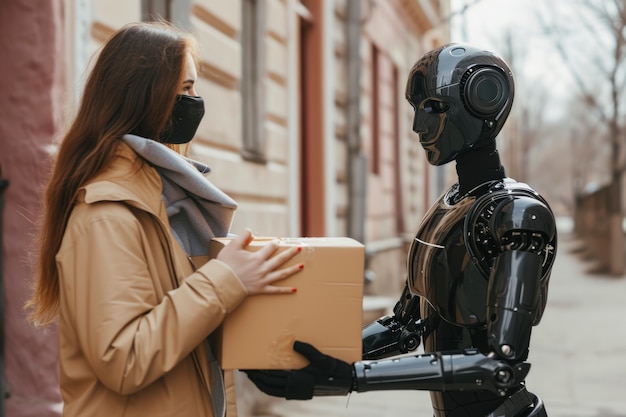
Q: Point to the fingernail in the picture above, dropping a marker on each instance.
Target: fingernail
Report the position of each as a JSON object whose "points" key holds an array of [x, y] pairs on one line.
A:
{"points": [[301, 266], [299, 249], [294, 290]]}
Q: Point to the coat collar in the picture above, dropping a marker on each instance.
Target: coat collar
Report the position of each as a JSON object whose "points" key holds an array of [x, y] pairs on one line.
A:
{"points": [[129, 179]]}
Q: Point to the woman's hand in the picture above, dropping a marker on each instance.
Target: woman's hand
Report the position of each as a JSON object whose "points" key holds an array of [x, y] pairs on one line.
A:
{"points": [[258, 271]]}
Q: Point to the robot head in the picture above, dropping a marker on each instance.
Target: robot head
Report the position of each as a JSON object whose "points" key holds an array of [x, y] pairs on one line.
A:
{"points": [[462, 96]]}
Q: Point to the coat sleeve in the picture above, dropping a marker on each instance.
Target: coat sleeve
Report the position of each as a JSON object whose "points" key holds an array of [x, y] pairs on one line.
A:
{"points": [[131, 334]]}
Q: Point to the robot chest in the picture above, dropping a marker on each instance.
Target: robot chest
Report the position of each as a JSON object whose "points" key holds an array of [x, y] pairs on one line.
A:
{"points": [[441, 270]]}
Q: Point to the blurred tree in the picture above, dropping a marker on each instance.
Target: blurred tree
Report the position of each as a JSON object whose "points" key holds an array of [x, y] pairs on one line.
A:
{"points": [[525, 130], [594, 51], [598, 69]]}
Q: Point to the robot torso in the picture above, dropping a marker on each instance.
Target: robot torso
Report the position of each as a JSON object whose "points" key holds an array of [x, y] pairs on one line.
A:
{"points": [[453, 251]]}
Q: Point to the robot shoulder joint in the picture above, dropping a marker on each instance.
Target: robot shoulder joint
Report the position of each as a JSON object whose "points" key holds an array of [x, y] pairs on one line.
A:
{"points": [[522, 215]]}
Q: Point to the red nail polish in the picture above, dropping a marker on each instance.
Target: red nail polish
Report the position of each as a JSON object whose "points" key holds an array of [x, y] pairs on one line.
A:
{"points": [[301, 266], [294, 290], [299, 249]]}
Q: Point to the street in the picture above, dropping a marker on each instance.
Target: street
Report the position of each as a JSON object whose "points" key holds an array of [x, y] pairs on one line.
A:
{"points": [[578, 353]]}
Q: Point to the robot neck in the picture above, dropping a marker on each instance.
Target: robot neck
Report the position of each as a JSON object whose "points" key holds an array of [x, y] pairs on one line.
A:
{"points": [[478, 166]]}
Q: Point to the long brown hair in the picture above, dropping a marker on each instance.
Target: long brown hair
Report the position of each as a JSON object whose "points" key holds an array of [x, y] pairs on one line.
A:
{"points": [[131, 89]]}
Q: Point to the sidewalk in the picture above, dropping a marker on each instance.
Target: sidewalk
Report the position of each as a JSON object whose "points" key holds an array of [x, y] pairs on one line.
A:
{"points": [[578, 354], [578, 351]]}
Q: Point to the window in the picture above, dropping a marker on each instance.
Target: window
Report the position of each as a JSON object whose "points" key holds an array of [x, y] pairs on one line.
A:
{"points": [[175, 11], [397, 164], [376, 102], [154, 9], [253, 79]]}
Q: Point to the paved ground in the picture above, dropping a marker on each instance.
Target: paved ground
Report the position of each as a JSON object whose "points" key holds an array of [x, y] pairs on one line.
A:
{"points": [[578, 354]]}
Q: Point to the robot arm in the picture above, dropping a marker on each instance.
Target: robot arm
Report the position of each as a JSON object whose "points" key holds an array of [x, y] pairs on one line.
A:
{"points": [[469, 370], [523, 227], [397, 333], [440, 371]]}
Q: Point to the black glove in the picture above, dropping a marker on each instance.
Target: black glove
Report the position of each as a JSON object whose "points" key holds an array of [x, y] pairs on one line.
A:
{"points": [[325, 375]]}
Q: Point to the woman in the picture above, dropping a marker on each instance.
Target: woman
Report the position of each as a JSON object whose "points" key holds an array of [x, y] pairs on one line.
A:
{"points": [[124, 214]]}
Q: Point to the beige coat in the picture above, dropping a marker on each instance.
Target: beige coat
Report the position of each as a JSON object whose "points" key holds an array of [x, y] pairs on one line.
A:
{"points": [[133, 312]]}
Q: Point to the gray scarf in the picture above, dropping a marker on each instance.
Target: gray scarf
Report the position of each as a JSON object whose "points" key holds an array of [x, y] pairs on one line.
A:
{"points": [[197, 209]]}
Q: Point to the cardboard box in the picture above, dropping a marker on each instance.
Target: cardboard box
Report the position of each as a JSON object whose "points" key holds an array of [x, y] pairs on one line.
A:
{"points": [[326, 311]]}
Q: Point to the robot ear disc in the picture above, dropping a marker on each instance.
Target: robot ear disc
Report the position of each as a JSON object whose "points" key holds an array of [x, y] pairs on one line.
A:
{"points": [[486, 91]]}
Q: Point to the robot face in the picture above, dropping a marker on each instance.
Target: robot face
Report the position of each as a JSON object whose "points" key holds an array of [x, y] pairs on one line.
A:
{"points": [[435, 123], [461, 95], [430, 118]]}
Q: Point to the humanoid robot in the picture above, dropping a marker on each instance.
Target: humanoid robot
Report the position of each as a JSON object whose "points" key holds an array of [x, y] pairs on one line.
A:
{"points": [[478, 268]]}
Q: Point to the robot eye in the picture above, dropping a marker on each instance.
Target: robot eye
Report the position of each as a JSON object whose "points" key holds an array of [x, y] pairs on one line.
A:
{"points": [[435, 106]]}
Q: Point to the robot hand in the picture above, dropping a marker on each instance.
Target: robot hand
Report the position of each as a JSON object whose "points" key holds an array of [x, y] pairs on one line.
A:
{"points": [[324, 375], [399, 333], [387, 336]]}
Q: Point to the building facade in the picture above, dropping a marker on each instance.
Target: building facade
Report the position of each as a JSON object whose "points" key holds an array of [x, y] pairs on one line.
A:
{"points": [[306, 126]]}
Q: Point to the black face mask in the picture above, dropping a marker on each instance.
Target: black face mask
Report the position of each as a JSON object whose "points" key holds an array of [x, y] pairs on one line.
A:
{"points": [[186, 117]]}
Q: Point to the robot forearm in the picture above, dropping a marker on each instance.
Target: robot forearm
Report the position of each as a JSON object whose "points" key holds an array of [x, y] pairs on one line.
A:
{"points": [[468, 370]]}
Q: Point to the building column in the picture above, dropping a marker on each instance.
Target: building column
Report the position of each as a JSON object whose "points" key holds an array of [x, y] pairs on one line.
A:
{"points": [[31, 103]]}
